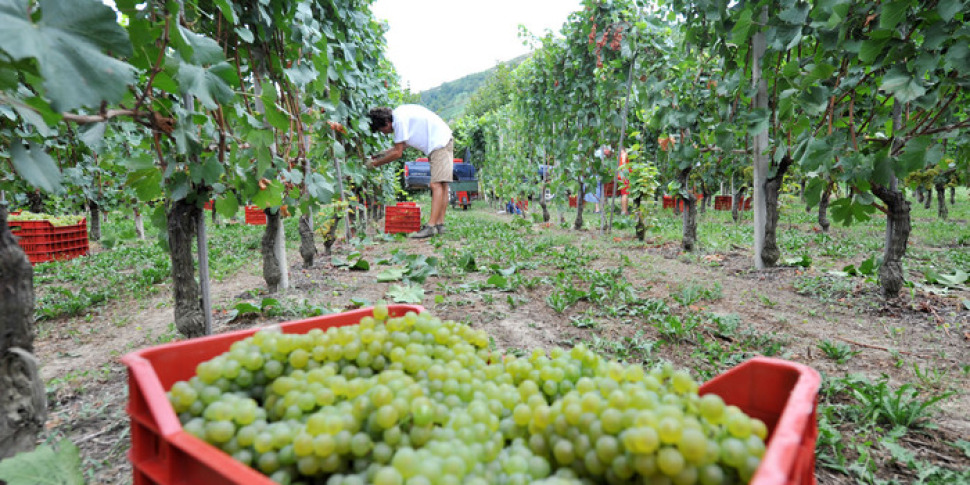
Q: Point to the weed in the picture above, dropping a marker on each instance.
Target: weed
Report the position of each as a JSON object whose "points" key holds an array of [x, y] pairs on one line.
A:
{"points": [[692, 293], [767, 302], [727, 325], [934, 378], [678, 328], [840, 352], [612, 347], [825, 288], [902, 407], [583, 321], [515, 301]]}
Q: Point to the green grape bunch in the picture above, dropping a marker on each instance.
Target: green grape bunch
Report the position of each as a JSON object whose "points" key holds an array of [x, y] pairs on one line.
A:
{"points": [[56, 221], [417, 400]]}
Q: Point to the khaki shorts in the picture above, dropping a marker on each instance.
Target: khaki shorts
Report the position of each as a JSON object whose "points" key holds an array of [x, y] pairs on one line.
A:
{"points": [[442, 163]]}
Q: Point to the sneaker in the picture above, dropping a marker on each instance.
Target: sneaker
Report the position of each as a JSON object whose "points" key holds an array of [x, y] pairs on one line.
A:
{"points": [[426, 231], [439, 229]]}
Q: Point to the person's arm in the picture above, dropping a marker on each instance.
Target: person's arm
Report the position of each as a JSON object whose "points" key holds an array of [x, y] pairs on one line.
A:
{"points": [[395, 152]]}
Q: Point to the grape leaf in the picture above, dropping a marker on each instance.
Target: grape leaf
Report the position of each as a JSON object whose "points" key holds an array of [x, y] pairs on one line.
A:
{"points": [[35, 166], [958, 278], [67, 43], [893, 13], [208, 84], [45, 465], [498, 281], [406, 294], [360, 265], [228, 205], [390, 274]]}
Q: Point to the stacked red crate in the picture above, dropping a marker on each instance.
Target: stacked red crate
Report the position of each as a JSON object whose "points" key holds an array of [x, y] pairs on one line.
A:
{"points": [[255, 216], [43, 241], [404, 217]]}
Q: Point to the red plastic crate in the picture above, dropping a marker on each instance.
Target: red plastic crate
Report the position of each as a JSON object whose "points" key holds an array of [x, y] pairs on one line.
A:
{"points": [[405, 217], [670, 202], [45, 227], [61, 255], [43, 241], [784, 395], [255, 216], [722, 202], [210, 205], [53, 247], [573, 201], [161, 451], [608, 189]]}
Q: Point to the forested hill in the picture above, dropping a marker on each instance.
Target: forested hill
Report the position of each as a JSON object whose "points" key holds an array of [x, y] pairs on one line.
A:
{"points": [[449, 99]]}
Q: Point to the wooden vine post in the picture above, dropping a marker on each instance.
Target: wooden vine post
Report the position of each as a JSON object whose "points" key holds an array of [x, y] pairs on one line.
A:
{"points": [[760, 142]]}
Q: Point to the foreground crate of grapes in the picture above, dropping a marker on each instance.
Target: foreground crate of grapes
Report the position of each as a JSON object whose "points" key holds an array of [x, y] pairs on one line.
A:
{"points": [[393, 395]]}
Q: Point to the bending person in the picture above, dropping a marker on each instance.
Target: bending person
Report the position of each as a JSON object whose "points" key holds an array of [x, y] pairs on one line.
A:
{"points": [[418, 127]]}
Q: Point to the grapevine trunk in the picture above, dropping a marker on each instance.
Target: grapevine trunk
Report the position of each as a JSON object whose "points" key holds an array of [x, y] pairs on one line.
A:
{"points": [[770, 254], [94, 221], [23, 400], [272, 273], [942, 211], [823, 208], [182, 222], [308, 247], [898, 226]]}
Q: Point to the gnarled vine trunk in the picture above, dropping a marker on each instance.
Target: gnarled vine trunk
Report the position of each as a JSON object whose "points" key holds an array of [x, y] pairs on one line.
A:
{"points": [[770, 254], [94, 221], [308, 248], [331, 235], [272, 272], [23, 400], [898, 226], [942, 211], [139, 224], [641, 229], [580, 202], [823, 208], [183, 219], [542, 203], [35, 201], [737, 203], [689, 239]]}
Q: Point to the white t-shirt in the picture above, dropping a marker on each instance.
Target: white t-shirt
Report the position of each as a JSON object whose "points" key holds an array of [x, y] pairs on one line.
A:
{"points": [[420, 128]]}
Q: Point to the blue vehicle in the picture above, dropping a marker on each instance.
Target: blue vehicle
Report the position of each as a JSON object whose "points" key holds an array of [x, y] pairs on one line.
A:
{"points": [[417, 176]]}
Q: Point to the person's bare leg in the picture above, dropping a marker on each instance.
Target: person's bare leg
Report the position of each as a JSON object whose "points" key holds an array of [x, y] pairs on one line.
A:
{"points": [[439, 202], [623, 204]]}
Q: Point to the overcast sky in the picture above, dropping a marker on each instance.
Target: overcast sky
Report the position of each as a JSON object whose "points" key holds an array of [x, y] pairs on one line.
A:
{"points": [[432, 42]]}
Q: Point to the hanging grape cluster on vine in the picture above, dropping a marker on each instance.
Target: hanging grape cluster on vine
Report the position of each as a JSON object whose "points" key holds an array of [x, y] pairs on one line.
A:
{"points": [[613, 34]]}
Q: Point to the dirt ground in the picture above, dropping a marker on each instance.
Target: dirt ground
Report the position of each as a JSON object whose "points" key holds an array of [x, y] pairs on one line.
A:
{"points": [[81, 356]]}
